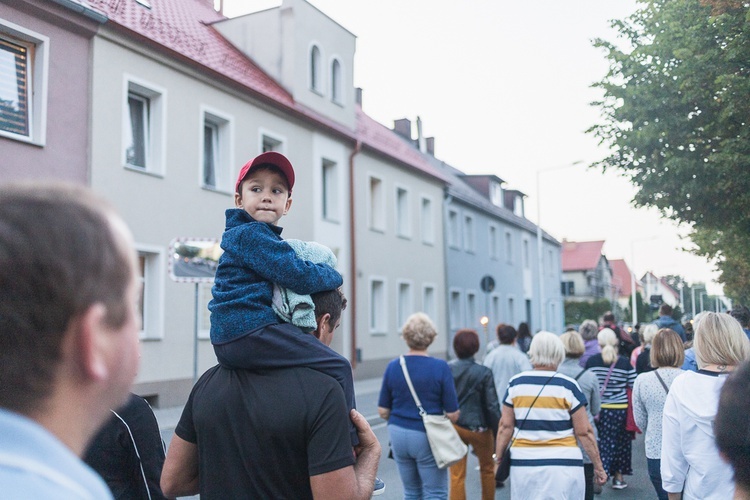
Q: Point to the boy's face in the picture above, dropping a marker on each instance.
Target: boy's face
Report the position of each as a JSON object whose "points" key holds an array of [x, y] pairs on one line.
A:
{"points": [[264, 195]]}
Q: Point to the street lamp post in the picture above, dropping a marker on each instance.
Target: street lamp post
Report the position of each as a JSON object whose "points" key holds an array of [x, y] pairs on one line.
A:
{"points": [[539, 253]]}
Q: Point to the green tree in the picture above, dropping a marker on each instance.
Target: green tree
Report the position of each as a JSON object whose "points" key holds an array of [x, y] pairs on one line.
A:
{"points": [[675, 111], [576, 312]]}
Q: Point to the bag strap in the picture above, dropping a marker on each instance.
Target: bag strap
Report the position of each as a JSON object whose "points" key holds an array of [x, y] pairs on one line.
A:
{"points": [[520, 427], [606, 380], [666, 389], [402, 360], [579, 374]]}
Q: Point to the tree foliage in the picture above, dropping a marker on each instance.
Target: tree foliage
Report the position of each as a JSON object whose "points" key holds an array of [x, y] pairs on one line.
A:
{"points": [[576, 312], [675, 116]]}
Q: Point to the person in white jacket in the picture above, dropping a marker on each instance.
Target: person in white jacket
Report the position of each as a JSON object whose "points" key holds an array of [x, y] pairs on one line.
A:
{"points": [[691, 467]]}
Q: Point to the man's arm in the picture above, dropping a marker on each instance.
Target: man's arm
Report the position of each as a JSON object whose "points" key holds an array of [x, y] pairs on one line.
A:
{"points": [[180, 474], [353, 482]]}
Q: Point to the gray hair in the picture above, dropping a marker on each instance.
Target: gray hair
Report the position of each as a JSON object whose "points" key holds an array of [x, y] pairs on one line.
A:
{"points": [[588, 329], [648, 333], [418, 331], [546, 350]]}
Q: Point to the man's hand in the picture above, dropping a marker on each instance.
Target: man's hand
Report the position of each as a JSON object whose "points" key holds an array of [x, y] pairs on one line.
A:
{"points": [[367, 439], [600, 476]]}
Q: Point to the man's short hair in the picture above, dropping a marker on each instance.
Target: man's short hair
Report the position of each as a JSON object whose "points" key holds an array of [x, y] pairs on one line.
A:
{"points": [[609, 317], [331, 302], [59, 256], [665, 310], [506, 334], [730, 425]]}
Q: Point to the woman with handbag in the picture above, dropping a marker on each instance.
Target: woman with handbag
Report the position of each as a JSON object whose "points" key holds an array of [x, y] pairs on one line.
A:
{"points": [[480, 414], [650, 393], [543, 414], [433, 385], [616, 375]]}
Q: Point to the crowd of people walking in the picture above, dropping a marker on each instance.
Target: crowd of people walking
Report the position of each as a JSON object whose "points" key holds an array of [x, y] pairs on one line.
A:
{"points": [[568, 406]]}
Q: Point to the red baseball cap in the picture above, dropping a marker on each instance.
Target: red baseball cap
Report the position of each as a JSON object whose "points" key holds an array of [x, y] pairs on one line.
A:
{"points": [[278, 160]]}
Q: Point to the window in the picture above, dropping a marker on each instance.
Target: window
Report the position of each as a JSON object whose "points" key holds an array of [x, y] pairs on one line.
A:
{"points": [[23, 83], [469, 233], [496, 194], [330, 178], [376, 205], [428, 301], [403, 218], [336, 82], [526, 260], [216, 161], [378, 318], [471, 309], [405, 302], [453, 234], [511, 318], [204, 315], [269, 143], [315, 69], [552, 264], [567, 288], [427, 224], [455, 310], [150, 304], [143, 129], [494, 238], [508, 247], [496, 308]]}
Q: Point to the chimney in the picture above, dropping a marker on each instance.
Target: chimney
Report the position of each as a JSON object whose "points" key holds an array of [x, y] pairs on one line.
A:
{"points": [[430, 142], [402, 127], [358, 95], [420, 138]]}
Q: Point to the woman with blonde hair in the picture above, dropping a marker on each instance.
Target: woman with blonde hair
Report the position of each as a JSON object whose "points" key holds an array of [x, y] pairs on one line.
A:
{"points": [[543, 414], [615, 376], [650, 393], [433, 383], [691, 466]]}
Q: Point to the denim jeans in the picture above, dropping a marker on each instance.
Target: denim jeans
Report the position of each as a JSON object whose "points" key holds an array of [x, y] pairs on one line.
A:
{"points": [[419, 473], [654, 473]]}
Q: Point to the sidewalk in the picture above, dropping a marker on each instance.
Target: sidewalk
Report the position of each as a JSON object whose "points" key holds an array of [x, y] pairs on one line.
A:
{"points": [[168, 417]]}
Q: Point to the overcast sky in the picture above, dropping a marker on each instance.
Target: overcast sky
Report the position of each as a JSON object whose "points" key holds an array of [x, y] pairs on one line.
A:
{"points": [[504, 87]]}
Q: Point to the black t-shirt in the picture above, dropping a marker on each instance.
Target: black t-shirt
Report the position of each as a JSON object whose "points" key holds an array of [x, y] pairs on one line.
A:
{"points": [[263, 434]]}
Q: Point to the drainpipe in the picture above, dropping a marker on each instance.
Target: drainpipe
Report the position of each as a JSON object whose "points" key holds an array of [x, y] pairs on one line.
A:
{"points": [[447, 201], [352, 257]]}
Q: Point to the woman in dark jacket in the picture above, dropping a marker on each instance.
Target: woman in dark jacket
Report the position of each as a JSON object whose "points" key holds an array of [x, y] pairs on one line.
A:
{"points": [[480, 414]]}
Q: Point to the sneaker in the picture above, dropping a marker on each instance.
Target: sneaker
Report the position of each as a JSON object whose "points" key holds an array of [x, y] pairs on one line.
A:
{"points": [[619, 484], [379, 488]]}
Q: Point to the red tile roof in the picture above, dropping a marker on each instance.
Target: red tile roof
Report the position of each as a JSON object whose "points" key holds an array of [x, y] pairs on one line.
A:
{"points": [[581, 255], [621, 277]]}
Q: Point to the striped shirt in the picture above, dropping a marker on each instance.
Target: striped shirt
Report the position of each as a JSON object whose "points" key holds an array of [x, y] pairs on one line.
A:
{"points": [[546, 436], [623, 377]]}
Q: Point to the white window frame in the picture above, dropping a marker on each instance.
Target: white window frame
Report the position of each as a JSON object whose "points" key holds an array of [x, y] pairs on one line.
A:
{"points": [[496, 194], [315, 68], [276, 141], [455, 312], [376, 203], [330, 178], [429, 301], [155, 136], [37, 81], [495, 307], [337, 81], [403, 212], [511, 318], [223, 125], [378, 305], [493, 237], [468, 233], [427, 220], [405, 300], [152, 327], [509, 247], [453, 228], [472, 317]]}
